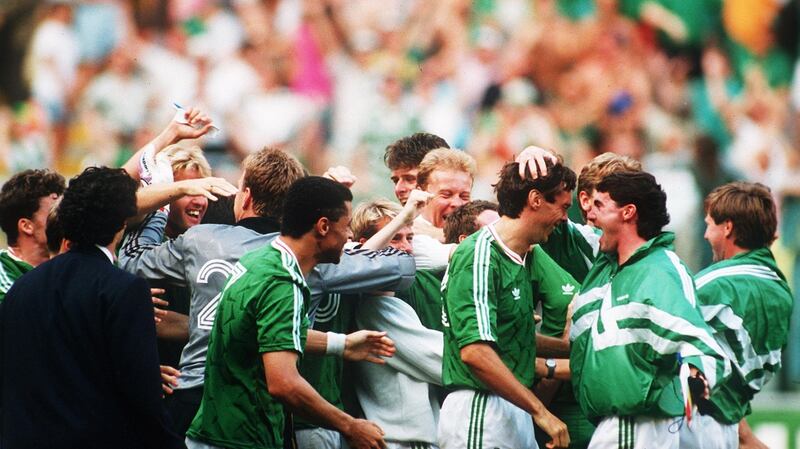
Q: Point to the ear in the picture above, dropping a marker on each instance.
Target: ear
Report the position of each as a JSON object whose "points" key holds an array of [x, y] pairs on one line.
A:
{"points": [[323, 226], [462, 237], [362, 240], [728, 229], [247, 199], [628, 212], [585, 200], [535, 199], [25, 226]]}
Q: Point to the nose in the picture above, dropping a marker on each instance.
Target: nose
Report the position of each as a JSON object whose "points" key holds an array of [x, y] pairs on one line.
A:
{"points": [[406, 246]]}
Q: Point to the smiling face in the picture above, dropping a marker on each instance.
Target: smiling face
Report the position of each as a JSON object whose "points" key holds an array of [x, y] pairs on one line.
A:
{"points": [[716, 234], [606, 215], [451, 189], [186, 211], [404, 180], [555, 213], [338, 234]]}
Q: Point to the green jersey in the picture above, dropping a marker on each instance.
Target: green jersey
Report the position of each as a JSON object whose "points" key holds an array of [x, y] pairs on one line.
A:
{"points": [[425, 297], [489, 296], [574, 247], [746, 301], [631, 324], [324, 373], [263, 309], [11, 269]]}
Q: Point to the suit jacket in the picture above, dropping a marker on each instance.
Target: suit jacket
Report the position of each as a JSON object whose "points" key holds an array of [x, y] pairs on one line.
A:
{"points": [[78, 361]]}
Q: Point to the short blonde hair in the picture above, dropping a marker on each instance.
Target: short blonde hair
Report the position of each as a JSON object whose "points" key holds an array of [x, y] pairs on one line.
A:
{"points": [[602, 166], [445, 159], [366, 216], [187, 158]]}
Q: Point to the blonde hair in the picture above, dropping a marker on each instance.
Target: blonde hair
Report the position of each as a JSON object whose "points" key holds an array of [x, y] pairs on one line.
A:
{"points": [[366, 216], [187, 158], [445, 159], [602, 166]]}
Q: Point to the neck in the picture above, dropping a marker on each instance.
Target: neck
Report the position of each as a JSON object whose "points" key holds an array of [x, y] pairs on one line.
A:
{"points": [[429, 216], [731, 250], [29, 251], [515, 234], [628, 246], [249, 213], [305, 249]]}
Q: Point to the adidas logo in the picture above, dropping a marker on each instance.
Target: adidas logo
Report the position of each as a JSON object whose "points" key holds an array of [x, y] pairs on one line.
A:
{"points": [[568, 289], [516, 294]]}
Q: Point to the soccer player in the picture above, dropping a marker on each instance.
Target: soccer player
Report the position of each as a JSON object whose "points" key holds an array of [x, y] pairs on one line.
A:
{"points": [[260, 329], [490, 291], [745, 299], [25, 201], [469, 218], [403, 156], [575, 246], [205, 255], [635, 326]]}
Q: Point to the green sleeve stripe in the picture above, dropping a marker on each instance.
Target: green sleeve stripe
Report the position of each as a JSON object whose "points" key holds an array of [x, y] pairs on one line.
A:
{"points": [[297, 318], [749, 360], [480, 285], [615, 336], [5, 281], [686, 278], [737, 270]]}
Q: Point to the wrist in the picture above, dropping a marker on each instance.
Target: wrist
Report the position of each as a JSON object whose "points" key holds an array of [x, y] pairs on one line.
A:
{"points": [[335, 344], [550, 364]]}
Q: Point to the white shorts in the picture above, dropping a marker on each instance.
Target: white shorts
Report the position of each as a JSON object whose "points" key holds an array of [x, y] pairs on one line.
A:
{"points": [[705, 432], [636, 432], [475, 420], [318, 438], [399, 445], [196, 444]]}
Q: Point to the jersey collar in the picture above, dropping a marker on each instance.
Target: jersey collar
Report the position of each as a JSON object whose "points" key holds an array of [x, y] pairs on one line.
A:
{"points": [[511, 254]]}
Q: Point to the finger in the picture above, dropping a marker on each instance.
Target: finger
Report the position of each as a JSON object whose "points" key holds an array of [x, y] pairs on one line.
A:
{"points": [[522, 165], [375, 360], [160, 302], [170, 370], [157, 291], [167, 389], [157, 320], [159, 313], [541, 165]]}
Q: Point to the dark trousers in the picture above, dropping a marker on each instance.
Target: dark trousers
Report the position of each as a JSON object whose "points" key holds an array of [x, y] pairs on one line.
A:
{"points": [[182, 405]]}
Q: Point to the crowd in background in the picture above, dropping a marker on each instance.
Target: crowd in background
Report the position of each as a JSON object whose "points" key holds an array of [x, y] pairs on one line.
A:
{"points": [[702, 92]]}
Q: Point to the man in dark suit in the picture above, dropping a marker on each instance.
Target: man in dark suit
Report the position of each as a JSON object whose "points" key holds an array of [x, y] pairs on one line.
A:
{"points": [[78, 361]]}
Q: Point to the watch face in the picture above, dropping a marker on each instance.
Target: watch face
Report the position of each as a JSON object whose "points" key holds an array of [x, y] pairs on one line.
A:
{"points": [[550, 363]]}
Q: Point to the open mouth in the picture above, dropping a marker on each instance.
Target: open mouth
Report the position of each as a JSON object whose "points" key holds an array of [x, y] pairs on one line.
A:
{"points": [[193, 213]]}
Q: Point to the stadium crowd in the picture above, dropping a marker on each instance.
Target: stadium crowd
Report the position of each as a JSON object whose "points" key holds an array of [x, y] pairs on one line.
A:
{"points": [[558, 169]]}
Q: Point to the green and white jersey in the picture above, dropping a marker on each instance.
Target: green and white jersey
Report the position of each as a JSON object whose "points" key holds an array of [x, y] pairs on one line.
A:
{"points": [[11, 269], [425, 297], [574, 247], [489, 296], [746, 301], [263, 309], [324, 373], [556, 288], [630, 324]]}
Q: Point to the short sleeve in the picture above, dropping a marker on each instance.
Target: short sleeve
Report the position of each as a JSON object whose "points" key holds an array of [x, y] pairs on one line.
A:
{"points": [[281, 319], [469, 297]]}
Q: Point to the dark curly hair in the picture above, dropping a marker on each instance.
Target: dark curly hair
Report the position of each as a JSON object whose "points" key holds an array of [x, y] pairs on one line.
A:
{"points": [[512, 190], [409, 151], [309, 199], [21, 195], [96, 205], [641, 190]]}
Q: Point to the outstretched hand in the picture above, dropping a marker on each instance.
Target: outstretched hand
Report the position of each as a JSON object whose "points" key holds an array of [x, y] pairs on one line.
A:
{"points": [[169, 378], [342, 175], [369, 346], [207, 187]]}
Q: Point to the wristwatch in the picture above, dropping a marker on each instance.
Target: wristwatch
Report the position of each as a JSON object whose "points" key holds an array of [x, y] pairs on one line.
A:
{"points": [[551, 368]]}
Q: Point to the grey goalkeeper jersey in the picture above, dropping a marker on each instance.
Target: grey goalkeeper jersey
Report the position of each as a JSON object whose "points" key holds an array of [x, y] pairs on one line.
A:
{"points": [[204, 256]]}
